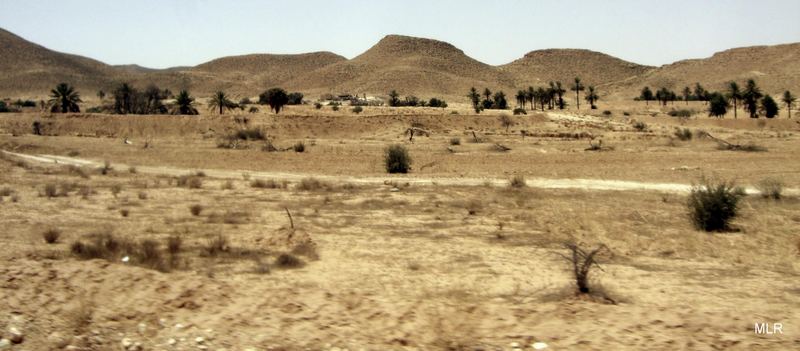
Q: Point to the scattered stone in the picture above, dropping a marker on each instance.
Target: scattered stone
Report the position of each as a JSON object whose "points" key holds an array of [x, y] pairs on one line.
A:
{"points": [[199, 340], [178, 326], [5, 344], [15, 335], [394, 190], [539, 346], [514, 345], [126, 343], [172, 341]]}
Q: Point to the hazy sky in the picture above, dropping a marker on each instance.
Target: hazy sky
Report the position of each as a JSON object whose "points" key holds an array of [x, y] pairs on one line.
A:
{"points": [[174, 33]]}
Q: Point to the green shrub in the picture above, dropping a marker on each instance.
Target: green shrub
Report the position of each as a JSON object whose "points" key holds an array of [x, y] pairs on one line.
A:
{"points": [[397, 159], [712, 205]]}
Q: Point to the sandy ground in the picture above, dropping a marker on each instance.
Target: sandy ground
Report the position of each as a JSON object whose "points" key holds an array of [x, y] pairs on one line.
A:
{"points": [[443, 262]]}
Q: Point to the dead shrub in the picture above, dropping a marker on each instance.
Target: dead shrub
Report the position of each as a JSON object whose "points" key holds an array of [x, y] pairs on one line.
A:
{"points": [[79, 171], [190, 181], [116, 189], [307, 249], [312, 184], [51, 235], [132, 170], [50, 190], [216, 245], [6, 191], [142, 195], [770, 188], [150, 256], [174, 244], [227, 185], [299, 147], [745, 147], [124, 212]]}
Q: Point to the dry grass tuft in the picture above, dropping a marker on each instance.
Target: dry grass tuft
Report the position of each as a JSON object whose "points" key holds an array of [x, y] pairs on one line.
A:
{"points": [[216, 245], [312, 184]]}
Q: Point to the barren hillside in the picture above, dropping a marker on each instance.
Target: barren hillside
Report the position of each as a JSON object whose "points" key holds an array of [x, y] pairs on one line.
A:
{"points": [[775, 68], [594, 68], [409, 65]]}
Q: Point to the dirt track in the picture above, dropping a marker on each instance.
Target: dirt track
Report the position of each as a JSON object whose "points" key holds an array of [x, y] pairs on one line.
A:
{"points": [[585, 184]]}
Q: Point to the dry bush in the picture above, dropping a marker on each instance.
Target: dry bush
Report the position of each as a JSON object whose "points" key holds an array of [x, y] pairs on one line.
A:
{"points": [[312, 184], [51, 235], [116, 189], [51, 190], [770, 188], [473, 207], [229, 217], [132, 170], [142, 195], [518, 181], [299, 147], [286, 260], [267, 184], [307, 249], [227, 185], [684, 134], [216, 245], [149, 255], [196, 209], [6, 191], [190, 181], [124, 212], [640, 126], [174, 244], [79, 171], [106, 169], [397, 159], [712, 205], [200, 174], [455, 141], [85, 191]]}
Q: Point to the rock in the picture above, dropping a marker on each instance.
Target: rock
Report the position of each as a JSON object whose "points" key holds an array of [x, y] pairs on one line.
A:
{"points": [[57, 340], [15, 335], [142, 328], [394, 190], [5, 344], [126, 343], [514, 345], [199, 340], [172, 341], [539, 346], [178, 326]]}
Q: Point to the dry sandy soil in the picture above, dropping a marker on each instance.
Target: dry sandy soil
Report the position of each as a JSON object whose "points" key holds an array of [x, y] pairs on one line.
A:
{"points": [[448, 257]]}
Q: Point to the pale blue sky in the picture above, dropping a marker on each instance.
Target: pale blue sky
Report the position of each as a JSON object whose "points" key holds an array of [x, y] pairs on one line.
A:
{"points": [[174, 33]]}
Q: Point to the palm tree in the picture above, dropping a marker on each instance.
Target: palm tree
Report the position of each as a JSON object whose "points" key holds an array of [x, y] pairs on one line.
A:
{"points": [[750, 97], [789, 100], [687, 94], [542, 96], [530, 95], [123, 98], [475, 98], [521, 98], [487, 94], [591, 97], [734, 94], [64, 99], [221, 101], [560, 93], [184, 104], [577, 88]]}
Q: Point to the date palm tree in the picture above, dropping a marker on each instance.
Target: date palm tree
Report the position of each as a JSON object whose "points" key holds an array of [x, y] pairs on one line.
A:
{"points": [[221, 101], [592, 97], [750, 97], [184, 104], [577, 87], [734, 94], [64, 99], [521, 98], [789, 100]]}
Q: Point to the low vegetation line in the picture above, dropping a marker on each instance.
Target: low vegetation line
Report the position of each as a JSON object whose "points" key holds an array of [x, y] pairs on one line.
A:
{"points": [[544, 183]]}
